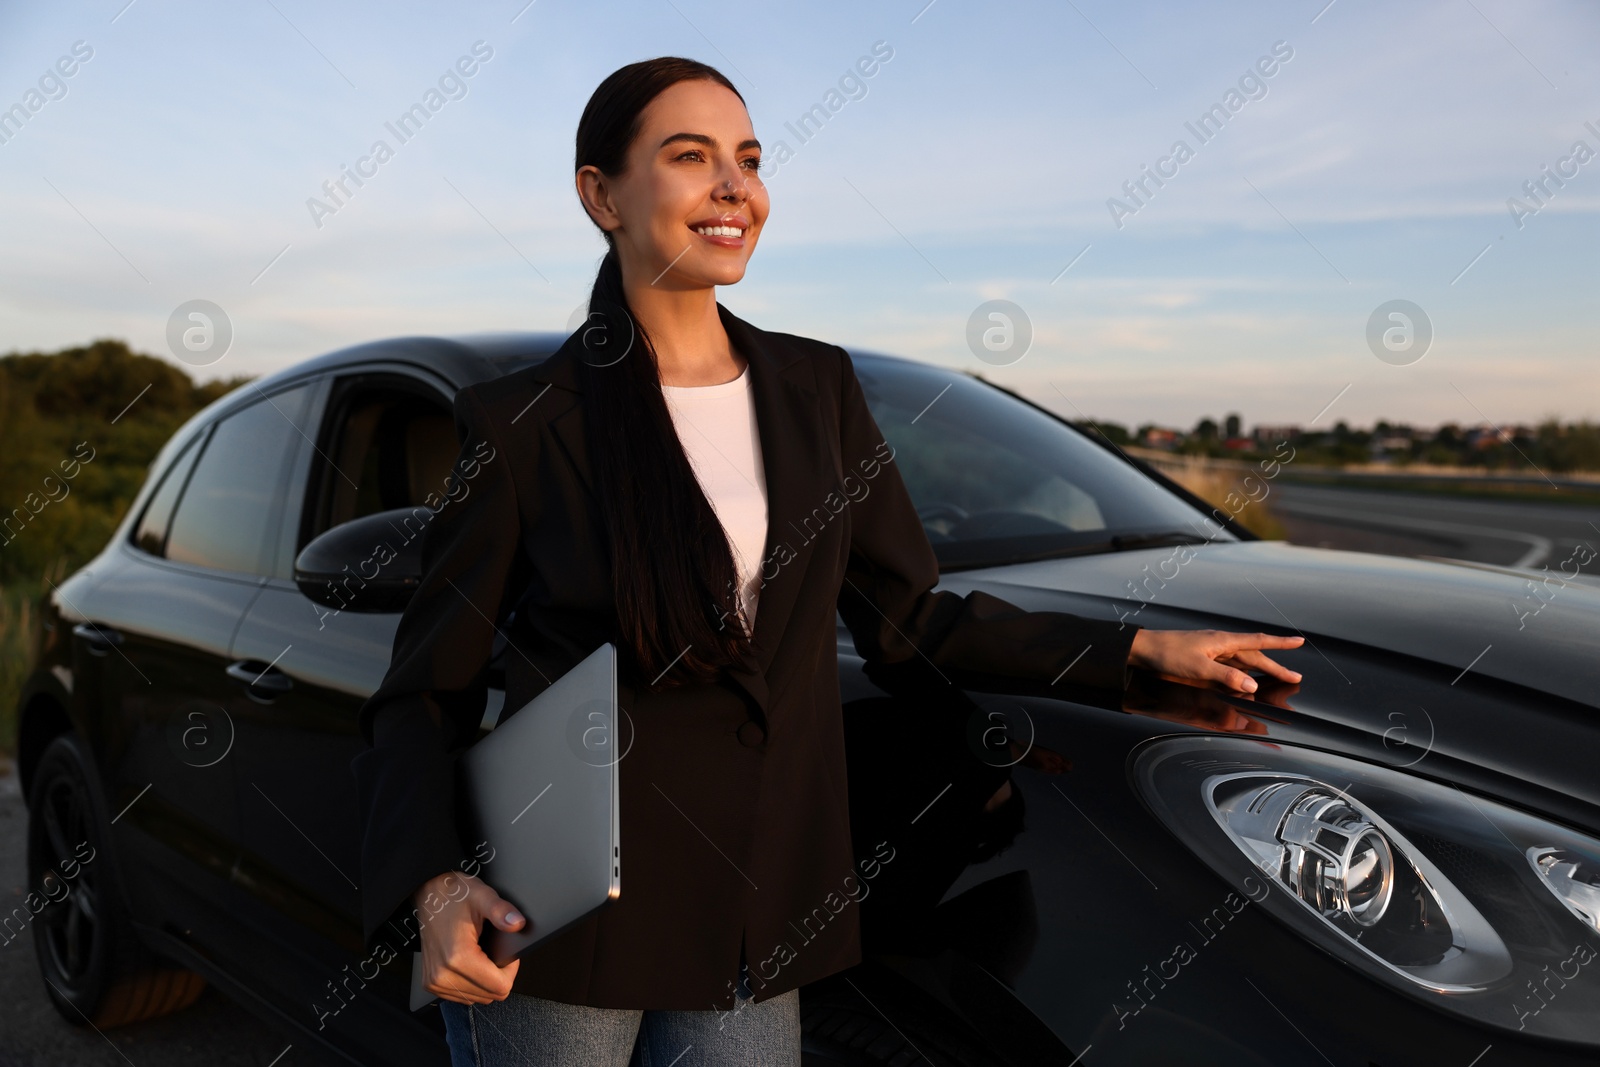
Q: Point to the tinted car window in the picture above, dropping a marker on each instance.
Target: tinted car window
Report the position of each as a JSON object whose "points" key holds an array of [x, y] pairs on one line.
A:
{"points": [[997, 480], [389, 445], [151, 534], [229, 514]]}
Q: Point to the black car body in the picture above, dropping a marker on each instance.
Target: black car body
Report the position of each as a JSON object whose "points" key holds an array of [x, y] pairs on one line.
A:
{"points": [[1394, 862]]}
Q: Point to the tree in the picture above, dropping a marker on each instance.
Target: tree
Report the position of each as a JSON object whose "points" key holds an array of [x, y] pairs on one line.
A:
{"points": [[1114, 432], [101, 401]]}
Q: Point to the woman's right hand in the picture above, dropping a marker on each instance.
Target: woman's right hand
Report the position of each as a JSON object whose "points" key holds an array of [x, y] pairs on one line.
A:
{"points": [[454, 967], [1211, 656]]}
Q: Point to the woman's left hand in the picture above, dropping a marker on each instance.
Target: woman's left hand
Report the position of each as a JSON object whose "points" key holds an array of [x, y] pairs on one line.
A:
{"points": [[1211, 656]]}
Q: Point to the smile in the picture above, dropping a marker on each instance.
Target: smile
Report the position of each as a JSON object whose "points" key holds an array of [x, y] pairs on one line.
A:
{"points": [[726, 230]]}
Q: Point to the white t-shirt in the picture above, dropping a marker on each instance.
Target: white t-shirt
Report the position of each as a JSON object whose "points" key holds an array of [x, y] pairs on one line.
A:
{"points": [[717, 425]]}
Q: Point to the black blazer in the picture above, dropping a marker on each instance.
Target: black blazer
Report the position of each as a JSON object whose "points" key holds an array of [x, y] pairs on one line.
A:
{"points": [[730, 831]]}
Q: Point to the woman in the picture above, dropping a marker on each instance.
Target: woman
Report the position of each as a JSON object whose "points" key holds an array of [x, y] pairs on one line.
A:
{"points": [[660, 482]]}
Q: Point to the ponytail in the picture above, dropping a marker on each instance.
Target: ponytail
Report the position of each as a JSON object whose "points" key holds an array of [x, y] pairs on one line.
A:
{"points": [[672, 570]]}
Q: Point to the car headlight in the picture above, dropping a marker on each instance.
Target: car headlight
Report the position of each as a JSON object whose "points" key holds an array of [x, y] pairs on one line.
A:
{"points": [[1476, 908], [1572, 878]]}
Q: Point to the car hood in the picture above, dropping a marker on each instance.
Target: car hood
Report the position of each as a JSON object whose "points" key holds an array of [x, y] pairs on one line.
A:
{"points": [[1533, 630]]}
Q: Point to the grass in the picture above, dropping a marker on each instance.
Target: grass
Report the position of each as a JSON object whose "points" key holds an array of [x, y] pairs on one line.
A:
{"points": [[1226, 489], [1570, 487], [1466, 487], [17, 611]]}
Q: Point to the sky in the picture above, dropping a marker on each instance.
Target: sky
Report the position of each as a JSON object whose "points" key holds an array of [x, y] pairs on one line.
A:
{"points": [[1383, 158]]}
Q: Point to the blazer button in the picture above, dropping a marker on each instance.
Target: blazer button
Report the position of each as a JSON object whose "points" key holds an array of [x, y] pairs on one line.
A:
{"points": [[751, 734]]}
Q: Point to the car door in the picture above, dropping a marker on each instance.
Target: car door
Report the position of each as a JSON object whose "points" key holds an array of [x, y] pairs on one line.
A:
{"points": [[386, 440], [160, 617]]}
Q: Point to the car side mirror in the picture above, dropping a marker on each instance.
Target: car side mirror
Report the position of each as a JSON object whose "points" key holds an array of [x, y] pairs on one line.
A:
{"points": [[370, 564]]}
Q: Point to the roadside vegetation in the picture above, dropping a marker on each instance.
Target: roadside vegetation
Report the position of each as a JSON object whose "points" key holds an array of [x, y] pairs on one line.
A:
{"points": [[78, 429]]}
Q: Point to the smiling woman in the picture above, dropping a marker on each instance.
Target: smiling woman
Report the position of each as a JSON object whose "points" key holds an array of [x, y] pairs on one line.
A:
{"points": [[682, 204], [651, 465]]}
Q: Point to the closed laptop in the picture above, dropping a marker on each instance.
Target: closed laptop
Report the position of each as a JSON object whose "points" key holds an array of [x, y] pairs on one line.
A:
{"points": [[543, 798]]}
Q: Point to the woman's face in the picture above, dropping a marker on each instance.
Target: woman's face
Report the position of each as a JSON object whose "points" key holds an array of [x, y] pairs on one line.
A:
{"points": [[692, 166]]}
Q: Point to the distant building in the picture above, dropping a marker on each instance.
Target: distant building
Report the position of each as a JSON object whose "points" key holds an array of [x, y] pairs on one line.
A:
{"points": [[1482, 437], [1239, 444], [1158, 437], [1268, 434]]}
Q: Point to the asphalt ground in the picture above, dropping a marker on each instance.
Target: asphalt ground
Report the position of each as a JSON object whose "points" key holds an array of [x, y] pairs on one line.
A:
{"points": [[1501, 532]]}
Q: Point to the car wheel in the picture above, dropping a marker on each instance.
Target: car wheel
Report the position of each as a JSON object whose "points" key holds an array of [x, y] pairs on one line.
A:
{"points": [[95, 968], [841, 1028]]}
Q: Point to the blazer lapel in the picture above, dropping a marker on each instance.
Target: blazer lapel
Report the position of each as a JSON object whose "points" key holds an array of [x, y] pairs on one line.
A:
{"points": [[559, 404], [793, 458]]}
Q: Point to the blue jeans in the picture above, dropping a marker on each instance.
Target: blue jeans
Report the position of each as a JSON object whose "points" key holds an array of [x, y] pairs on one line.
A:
{"points": [[533, 1032]]}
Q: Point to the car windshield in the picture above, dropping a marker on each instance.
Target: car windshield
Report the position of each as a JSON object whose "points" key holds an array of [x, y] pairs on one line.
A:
{"points": [[997, 481]]}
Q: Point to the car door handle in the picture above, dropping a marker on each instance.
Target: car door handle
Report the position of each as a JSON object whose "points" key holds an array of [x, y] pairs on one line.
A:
{"points": [[98, 639], [260, 677]]}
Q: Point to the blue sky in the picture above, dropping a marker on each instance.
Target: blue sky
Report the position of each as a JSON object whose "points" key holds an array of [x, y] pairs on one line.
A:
{"points": [[977, 163]]}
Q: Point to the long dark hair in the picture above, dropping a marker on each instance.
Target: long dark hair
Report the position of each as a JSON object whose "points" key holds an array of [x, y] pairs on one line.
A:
{"points": [[672, 569]]}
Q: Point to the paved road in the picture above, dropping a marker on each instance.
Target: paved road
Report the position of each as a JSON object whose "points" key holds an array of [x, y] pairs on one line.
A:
{"points": [[213, 1032], [1484, 531]]}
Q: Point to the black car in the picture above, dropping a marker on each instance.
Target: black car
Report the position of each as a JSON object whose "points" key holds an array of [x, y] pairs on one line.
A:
{"points": [[1395, 862]]}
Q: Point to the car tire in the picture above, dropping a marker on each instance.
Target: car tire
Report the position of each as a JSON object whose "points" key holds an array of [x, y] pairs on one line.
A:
{"points": [[96, 970]]}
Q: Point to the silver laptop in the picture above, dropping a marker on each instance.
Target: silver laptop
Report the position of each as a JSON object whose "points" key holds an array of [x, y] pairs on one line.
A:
{"points": [[543, 794]]}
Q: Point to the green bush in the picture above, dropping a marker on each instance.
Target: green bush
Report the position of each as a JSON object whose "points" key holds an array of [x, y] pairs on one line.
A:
{"points": [[78, 429], [16, 654]]}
